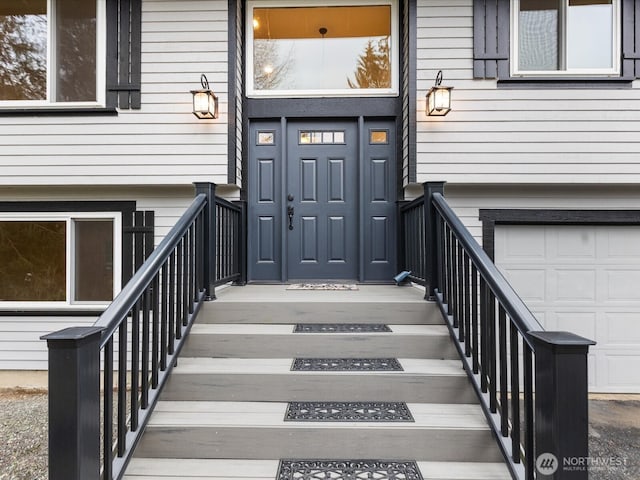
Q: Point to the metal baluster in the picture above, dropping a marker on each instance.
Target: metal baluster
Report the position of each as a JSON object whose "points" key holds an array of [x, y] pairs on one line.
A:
{"points": [[529, 447], [504, 392], [135, 364], [172, 302], [122, 387], [515, 393], [146, 324], [474, 318], [493, 400], [484, 334], [164, 317], [178, 280], [463, 285], [107, 421], [185, 280], [467, 306], [155, 344]]}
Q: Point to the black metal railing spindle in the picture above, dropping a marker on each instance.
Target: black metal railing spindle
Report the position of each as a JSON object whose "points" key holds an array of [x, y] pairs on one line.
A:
{"points": [[492, 352], [466, 306], [172, 302], [107, 410], [515, 393], [156, 331], [503, 365], [164, 316], [475, 318], [484, 334], [528, 411], [135, 364], [146, 340], [122, 388]]}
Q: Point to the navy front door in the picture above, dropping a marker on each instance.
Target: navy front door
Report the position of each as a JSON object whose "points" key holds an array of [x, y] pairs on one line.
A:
{"points": [[321, 196], [321, 200]]}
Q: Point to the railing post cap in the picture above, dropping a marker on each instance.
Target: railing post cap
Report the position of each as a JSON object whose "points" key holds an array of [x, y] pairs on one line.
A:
{"points": [[72, 336], [565, 341]]}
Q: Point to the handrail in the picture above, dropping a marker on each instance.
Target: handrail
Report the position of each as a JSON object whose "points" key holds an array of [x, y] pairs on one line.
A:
{"points": [[105, 380], [531, 384], [116, 312], [513, 304]]}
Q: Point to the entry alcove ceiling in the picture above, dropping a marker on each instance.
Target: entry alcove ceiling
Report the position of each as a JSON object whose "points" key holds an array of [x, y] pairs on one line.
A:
{"points": [[306, 22]]}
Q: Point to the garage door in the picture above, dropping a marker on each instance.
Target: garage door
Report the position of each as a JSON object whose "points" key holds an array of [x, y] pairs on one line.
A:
{"points": [[583, 279]]}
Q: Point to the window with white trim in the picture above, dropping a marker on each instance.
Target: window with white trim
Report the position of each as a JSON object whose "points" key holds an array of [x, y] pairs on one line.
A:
{"points": [[322, 48], [59, 259], [565, 37], [52, 52]]}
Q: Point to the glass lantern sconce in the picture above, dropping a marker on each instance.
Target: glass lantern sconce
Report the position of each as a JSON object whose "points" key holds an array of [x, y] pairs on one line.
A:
{"points": [[439, 98], [205, 103]]}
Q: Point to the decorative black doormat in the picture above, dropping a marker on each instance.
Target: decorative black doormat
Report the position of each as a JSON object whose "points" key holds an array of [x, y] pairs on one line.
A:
{"points": [[348, 412], [347, 470], [322, 286], [346, 364], [341, 328]]}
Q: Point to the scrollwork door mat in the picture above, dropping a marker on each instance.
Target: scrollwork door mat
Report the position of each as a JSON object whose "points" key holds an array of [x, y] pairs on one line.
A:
{"points": [[346, 364], [341, 328], [348, 412], [322, 286], [347, 470]]}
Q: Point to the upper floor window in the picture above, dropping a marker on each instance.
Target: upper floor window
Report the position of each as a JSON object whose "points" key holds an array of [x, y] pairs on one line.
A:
{"points": [[565, 37], [51, 52], [312, 48]]}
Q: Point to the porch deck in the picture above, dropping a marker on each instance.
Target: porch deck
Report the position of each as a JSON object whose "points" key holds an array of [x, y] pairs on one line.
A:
{"points": [[281, 293]]}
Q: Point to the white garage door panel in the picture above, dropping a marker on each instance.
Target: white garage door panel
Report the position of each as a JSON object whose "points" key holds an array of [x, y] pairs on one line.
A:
{"points": [[583, 279], [623, 371]]}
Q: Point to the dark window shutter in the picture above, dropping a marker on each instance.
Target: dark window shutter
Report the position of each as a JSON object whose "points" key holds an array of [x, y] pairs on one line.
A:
{"points": [[124, 32], [491, 25], [137, 241], [630, 39]]}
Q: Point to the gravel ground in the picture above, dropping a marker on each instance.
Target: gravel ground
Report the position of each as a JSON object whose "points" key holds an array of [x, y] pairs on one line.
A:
{"points": [[614, 437], [23, 435]]}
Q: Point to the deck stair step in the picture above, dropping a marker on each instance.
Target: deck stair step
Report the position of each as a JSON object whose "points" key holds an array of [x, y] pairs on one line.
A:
{"points": [[225, 469], [280, 341], [419, 312], [271, 379], [257, 430]]}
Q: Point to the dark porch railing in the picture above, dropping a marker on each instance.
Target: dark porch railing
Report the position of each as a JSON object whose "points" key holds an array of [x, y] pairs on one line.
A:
{"points": [[532, 384], [105, 380]]}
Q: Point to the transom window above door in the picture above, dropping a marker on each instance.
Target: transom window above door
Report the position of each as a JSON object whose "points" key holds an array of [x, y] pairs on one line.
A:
{"points": [[565, 37], [312, 48]]}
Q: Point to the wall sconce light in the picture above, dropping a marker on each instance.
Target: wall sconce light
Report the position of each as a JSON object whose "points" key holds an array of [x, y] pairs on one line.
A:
{"points": [[439, 98], [205, 103]]}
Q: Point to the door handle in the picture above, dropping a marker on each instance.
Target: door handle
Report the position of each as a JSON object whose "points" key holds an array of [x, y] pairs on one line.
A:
{"points": [[290, 213]]}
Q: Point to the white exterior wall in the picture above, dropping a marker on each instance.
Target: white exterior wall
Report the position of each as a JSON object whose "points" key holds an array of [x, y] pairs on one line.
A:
{"points": [[161, 144], [514, 135]]}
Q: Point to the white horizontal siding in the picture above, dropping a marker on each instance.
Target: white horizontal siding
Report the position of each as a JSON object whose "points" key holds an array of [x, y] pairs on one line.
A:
{"points": [[20, 344], [496, 136], [161, 144]]}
